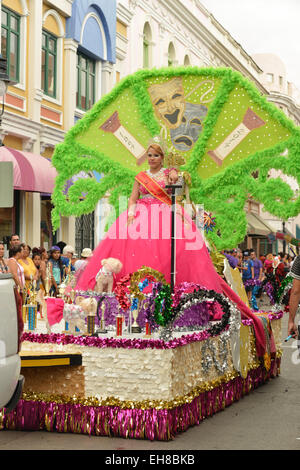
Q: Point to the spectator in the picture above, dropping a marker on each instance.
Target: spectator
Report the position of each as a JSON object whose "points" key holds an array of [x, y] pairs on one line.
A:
{"points": [[82, 262], [43, 262], [68, 253], [61, 246], [17, 271], [280, 271], [36, 258], [30, 271], [233, 261], [262, 259], [258, 276], [57, 269], [240, 260], [14, 240], [268, 265], [247, 273], [3, 264]]}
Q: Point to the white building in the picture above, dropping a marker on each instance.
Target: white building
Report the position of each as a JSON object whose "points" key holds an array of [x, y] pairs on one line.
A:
{"points": [[159, 33]]}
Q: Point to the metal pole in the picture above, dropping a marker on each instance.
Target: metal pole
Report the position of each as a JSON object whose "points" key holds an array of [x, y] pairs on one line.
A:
{"points": [[283, 242], [173, 235]]}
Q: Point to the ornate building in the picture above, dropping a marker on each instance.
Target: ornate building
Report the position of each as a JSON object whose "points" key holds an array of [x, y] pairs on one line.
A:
{"points": [[63, 55], [59, 55]]}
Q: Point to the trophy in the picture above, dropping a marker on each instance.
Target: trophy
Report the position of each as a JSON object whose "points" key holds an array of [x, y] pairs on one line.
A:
{"points": [[135, 328], [24, 309], [102, 329], [47, 281], [32, 307], [61, 290]]}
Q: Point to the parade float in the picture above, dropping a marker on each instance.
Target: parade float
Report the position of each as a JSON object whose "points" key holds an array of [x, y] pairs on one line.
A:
{"points": [[149, 357]]}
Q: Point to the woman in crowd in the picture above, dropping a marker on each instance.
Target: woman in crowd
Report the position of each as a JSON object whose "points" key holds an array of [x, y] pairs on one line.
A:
{"points": [[3, 264], [16, 269], [268, 264], [57, 269], [30, 271], [36, 258]]}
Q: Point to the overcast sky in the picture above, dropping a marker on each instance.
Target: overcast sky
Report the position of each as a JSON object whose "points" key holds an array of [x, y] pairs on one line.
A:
{"points": [[263, 26]]}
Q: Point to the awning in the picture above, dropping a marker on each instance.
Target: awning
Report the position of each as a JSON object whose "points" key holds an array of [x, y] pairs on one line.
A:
{"points": [[258, 226], [31, 172]]}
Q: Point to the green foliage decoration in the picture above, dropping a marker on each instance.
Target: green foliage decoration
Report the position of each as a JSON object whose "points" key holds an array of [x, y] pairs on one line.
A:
{"points": [[224, 193]]}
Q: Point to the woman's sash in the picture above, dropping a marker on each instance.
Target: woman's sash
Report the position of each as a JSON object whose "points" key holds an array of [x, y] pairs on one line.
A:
{"points": [[153, 187]]}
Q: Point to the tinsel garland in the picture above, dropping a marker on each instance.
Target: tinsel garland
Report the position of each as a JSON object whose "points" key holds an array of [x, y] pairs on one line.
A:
{"points": [[270, 285], [223, 194], [140, 420], [252, 282], [165, 312], [285, 286]]}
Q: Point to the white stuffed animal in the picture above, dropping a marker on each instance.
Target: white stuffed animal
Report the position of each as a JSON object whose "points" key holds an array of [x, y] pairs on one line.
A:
{"points": [[75, 316], [105, 276], [87, 304]]}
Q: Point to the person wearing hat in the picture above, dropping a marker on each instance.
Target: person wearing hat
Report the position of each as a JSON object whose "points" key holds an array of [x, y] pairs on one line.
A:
{"points": [[247, 274], [66, 259], [82, 262]]}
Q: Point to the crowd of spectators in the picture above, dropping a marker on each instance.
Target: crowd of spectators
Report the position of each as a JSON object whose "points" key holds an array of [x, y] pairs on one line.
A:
{"points": [[254, 270], [31, 266]]}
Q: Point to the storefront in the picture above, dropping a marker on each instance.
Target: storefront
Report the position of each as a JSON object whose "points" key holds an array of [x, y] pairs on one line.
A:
{"points": [[33, 182], [258, 231]]}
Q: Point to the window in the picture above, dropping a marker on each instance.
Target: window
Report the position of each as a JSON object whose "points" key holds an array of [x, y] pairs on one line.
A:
{"points": [[171, 55], [85, 97], [270, 77], [49, 64], [147, 36], [187, 61], [10, 42], [280, 80]]}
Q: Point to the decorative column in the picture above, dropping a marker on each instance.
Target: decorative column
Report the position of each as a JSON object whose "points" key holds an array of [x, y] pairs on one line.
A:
{"points": [[35, 93], [33, 219], [107, 81], [70, 64]]}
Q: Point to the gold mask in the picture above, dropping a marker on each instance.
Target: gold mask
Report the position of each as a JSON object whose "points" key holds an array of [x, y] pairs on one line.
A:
{"points": [[169, 102]]}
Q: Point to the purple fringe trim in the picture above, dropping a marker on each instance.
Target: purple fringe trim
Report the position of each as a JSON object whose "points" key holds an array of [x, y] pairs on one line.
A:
{"points": [[152, 424]]}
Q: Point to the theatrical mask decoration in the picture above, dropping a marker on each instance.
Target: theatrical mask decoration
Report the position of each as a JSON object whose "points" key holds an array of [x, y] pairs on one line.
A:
{"points": [[169, 102], [186, 134], [214, 117]]}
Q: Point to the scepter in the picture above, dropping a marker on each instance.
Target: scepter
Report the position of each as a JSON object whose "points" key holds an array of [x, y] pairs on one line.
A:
{"points": [[173, 233]]}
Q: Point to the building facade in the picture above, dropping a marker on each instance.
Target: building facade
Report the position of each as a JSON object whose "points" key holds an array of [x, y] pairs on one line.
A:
{"points": [[64, 55], [59, 55]]}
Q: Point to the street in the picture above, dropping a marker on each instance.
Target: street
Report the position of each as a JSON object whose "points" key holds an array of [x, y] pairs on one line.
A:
{"points": [[267, 419]]}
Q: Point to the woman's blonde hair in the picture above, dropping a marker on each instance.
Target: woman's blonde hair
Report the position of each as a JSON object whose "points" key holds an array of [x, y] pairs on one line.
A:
{"points": [[270, 257], [157, 149]]}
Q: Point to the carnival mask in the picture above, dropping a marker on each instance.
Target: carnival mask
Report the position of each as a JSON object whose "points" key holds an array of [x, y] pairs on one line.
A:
{"points": [[187, 133], [168, 100]]}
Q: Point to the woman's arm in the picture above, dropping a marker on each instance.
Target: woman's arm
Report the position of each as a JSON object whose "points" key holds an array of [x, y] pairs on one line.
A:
{"points": [[132, 202], [12, 265]]}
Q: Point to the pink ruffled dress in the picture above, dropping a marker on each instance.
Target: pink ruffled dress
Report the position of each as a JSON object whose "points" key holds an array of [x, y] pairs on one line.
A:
{"points": [[147, 242]]}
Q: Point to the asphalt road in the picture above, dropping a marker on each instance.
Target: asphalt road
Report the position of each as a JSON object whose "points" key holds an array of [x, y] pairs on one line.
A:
{"points": [[266, 419]]}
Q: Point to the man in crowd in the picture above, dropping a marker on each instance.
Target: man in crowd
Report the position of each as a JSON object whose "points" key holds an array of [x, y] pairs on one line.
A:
{"points": [[258, 275], [14, 240], [247, 274]]}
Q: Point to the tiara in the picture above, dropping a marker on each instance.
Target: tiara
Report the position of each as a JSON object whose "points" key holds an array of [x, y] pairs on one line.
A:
{"points": [[158, 140]]}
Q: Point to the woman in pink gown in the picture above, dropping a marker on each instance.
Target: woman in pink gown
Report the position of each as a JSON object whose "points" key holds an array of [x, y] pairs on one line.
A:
{"points": [[141, 236]]}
